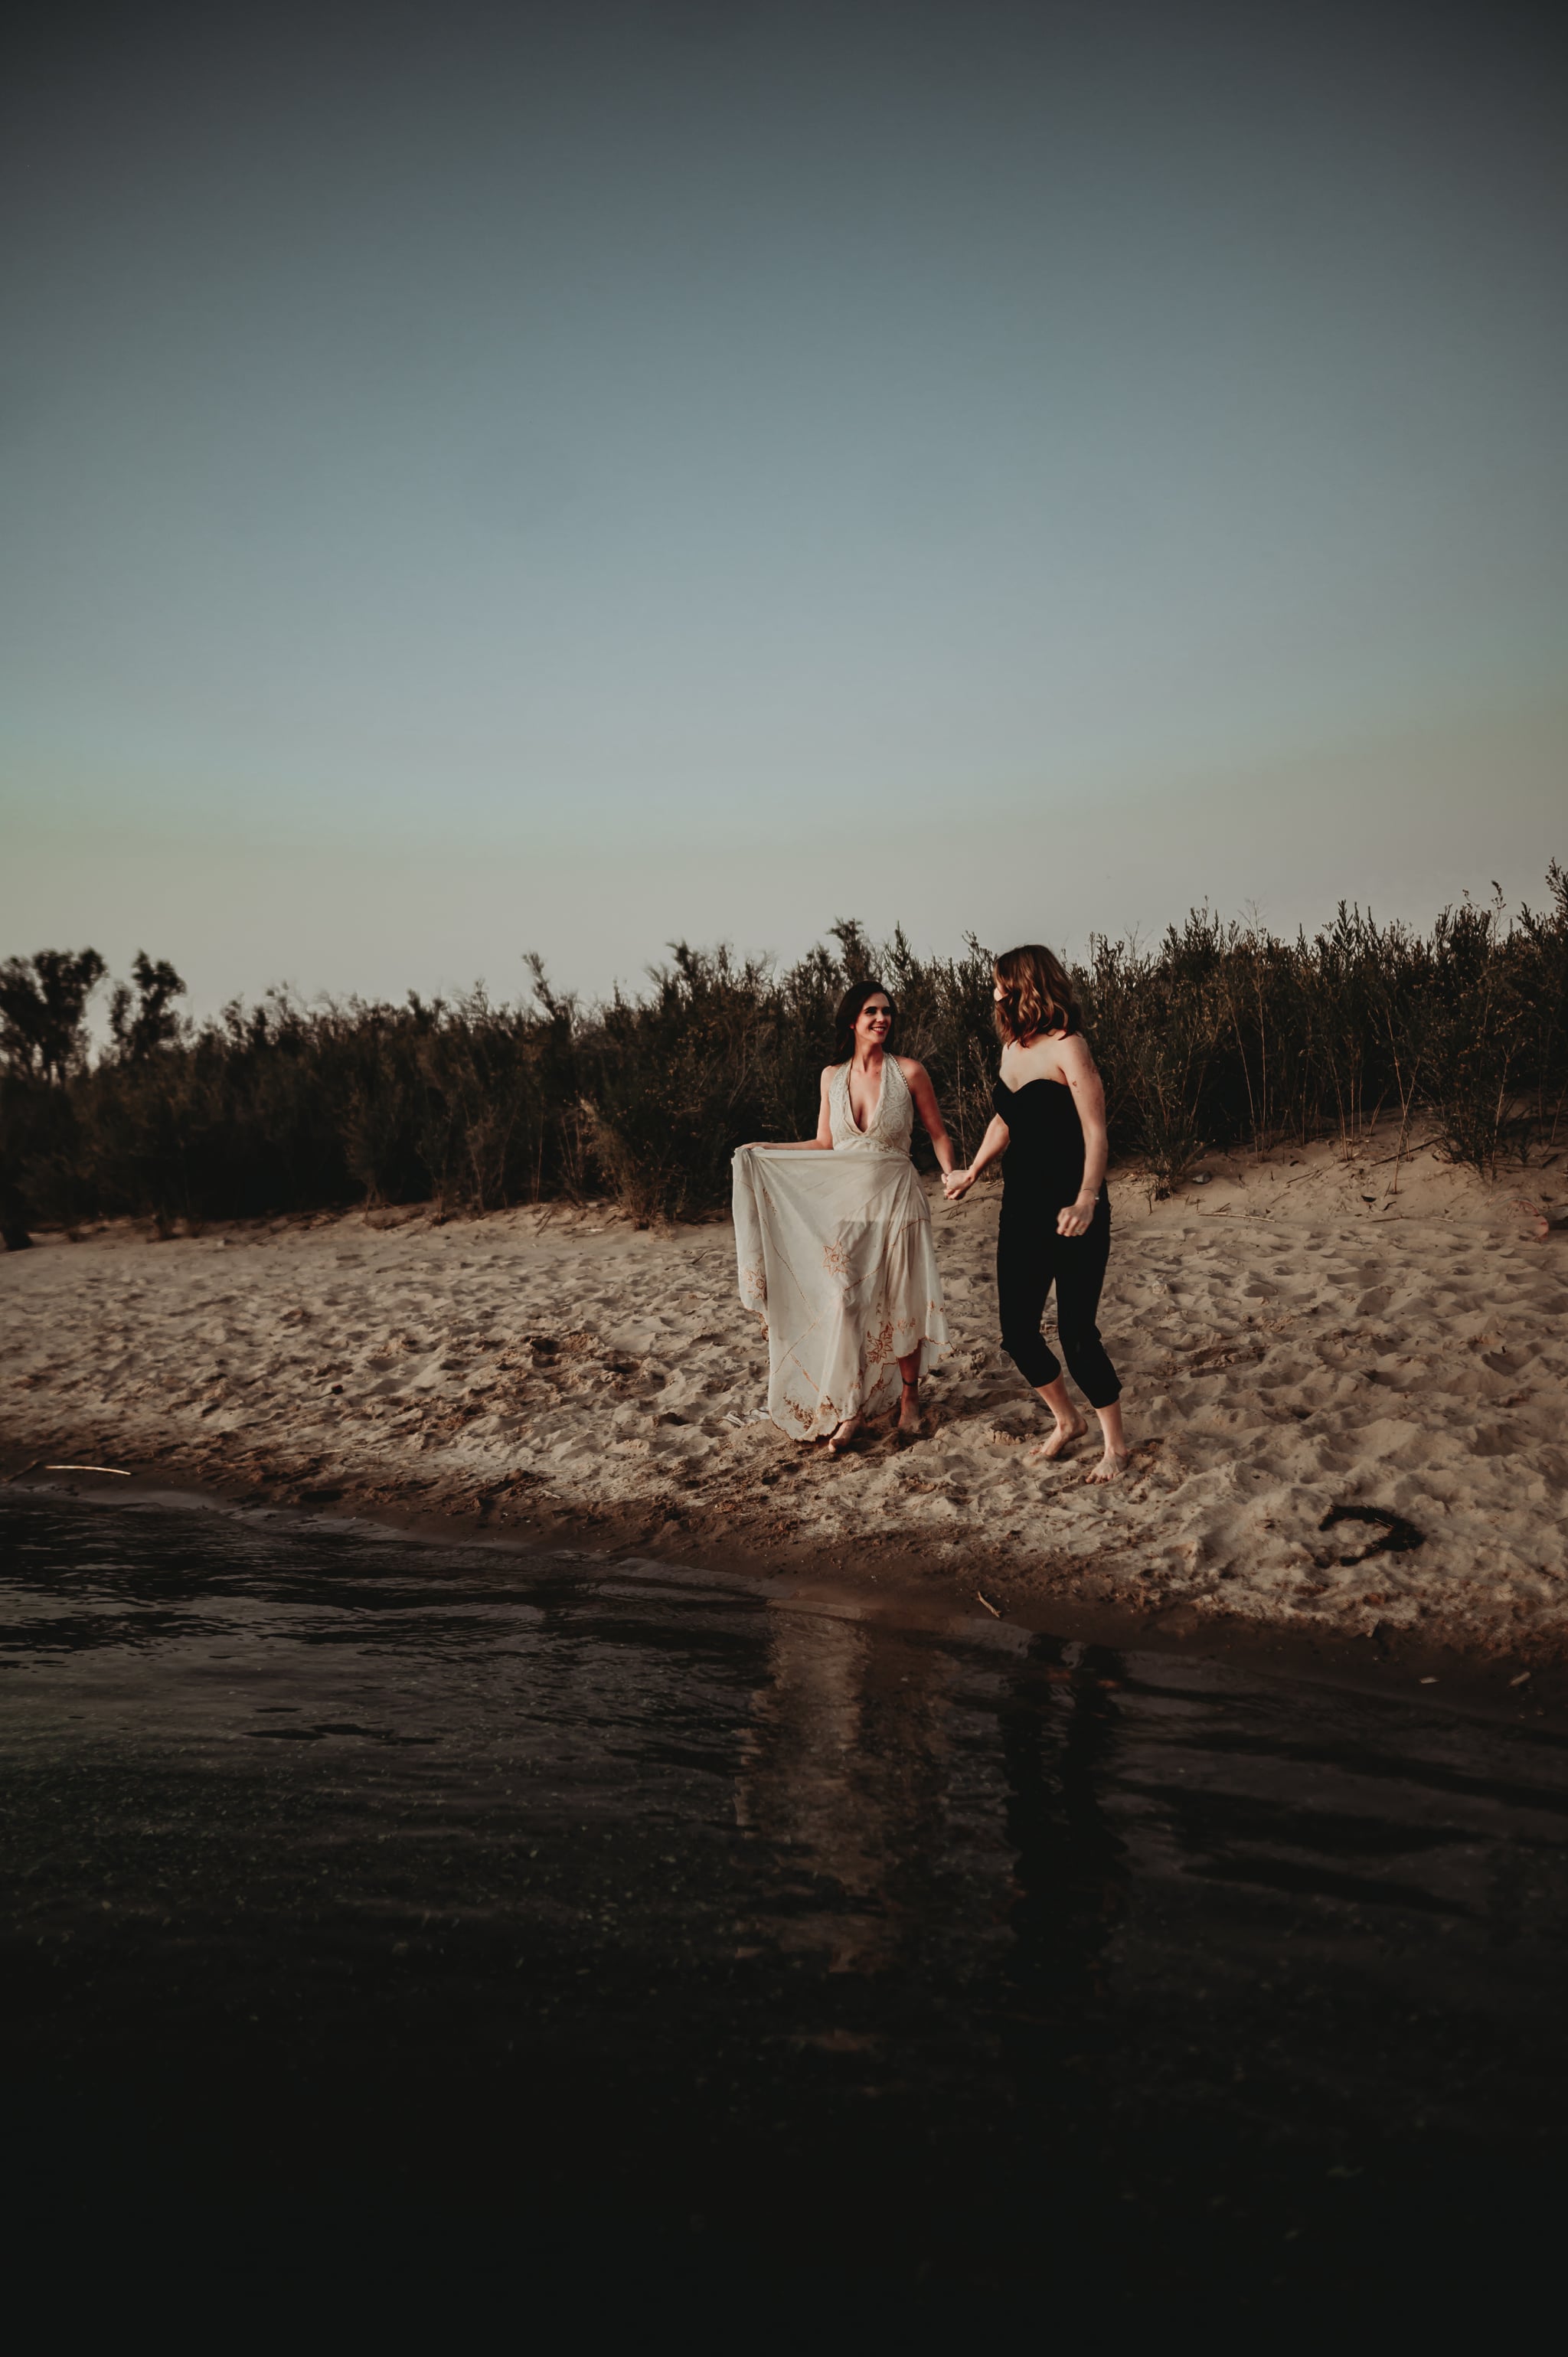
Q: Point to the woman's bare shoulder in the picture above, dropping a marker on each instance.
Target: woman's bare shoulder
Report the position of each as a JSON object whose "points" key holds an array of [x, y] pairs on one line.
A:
{"points": [[1074, 1055], [911, 1066]]}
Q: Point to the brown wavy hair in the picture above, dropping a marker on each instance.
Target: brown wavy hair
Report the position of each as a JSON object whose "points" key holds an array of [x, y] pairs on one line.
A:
{"points": [[1037, 993], [849, 1007]]}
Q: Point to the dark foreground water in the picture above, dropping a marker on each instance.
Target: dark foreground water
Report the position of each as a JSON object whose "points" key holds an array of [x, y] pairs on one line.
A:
{"points": [[428, 1929]]}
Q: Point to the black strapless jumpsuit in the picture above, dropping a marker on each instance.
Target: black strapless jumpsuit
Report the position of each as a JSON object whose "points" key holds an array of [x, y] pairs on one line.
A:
{"points": [[1042, 1171]]}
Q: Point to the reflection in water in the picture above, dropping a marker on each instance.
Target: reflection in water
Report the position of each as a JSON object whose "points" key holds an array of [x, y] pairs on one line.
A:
{"points": [[1058, 1745], [856, 1772], [844, 1775]]}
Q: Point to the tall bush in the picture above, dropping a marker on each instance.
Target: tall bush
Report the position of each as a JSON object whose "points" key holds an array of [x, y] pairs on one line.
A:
{"points": [[1219, 1036]]}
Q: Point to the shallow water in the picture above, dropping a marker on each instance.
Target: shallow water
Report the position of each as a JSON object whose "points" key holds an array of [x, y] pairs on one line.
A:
{"points": [[382, 1907]]}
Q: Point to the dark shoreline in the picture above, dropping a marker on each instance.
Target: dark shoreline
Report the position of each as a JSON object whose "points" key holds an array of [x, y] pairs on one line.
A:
{"points": [[904, 1591]]}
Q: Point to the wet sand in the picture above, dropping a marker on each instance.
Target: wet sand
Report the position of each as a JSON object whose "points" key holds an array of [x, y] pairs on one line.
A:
{"points": [[1346, 1379]]}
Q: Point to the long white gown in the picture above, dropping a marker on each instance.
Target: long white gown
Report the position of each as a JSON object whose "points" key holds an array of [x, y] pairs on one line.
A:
{"points": [[834, 1253]]}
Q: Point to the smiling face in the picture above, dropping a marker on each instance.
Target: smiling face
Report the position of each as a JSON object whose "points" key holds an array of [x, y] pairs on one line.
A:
{"points": [[874, 1022]]}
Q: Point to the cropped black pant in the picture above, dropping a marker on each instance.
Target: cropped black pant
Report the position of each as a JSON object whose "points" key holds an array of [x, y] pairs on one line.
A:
{"points": [[1030, 1258]]}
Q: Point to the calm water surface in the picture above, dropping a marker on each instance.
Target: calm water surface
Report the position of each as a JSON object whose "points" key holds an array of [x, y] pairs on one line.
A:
{"points": [[425, 1915]]}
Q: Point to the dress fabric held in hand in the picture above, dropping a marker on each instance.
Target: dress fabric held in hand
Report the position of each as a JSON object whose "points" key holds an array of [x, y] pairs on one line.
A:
{"points": [[834, 1253]]}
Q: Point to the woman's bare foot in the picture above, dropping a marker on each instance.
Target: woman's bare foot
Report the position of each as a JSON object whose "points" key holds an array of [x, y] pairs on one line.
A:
{"points": [[845, 1436], [1069, 1429], [911, 1423], [1112, 1466]]}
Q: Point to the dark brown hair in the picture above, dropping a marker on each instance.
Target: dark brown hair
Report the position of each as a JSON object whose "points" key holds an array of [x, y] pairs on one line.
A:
{"points": [[849, 1009], [1037, 993]]}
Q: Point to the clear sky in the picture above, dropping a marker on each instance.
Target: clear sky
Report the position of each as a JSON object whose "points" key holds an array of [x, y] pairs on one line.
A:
{"points": [[480, 479]]}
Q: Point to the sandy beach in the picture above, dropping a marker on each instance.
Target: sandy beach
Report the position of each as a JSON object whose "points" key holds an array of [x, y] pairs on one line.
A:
{"points": [[1345, 1382]]}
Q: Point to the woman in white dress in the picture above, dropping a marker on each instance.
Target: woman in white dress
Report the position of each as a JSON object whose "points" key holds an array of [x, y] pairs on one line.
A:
{"points": [[833, 1238]]}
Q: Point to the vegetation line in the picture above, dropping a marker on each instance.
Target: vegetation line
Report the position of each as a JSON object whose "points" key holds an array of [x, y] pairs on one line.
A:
{"points": [[1220, 1035]]}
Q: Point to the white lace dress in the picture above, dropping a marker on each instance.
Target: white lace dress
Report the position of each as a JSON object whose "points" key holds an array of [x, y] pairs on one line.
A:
{"points": [[834, 1253]]}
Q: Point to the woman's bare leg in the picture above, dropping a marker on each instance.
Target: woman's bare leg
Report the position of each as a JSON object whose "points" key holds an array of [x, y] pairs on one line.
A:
{"points": [[909, 1419], [1070, 1426], [1114, 1464]]}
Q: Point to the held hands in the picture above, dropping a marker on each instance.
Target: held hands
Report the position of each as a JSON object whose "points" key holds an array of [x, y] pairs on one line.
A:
{"points": [[1073, 1219], [956, 1184]]}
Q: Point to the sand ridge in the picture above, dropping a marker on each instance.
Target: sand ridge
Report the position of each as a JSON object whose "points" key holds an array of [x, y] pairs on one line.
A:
{"points": [[1305, 1334]]}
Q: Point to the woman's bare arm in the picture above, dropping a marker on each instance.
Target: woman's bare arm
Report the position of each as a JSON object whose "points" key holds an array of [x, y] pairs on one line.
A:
{"points": [[930, 1113], [1082, 1077], [995, 1142]]}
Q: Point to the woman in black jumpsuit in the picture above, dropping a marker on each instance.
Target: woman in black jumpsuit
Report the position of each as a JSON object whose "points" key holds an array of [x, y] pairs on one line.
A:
{"points": [[1054, 1227]]}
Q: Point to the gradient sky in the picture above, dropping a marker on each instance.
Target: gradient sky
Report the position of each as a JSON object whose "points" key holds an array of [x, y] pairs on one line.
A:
{"points": [[480, 479]]}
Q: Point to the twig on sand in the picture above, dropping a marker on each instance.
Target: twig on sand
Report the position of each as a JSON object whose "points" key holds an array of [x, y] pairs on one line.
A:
{"points": [[117, 1470], [988, 1604]]}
